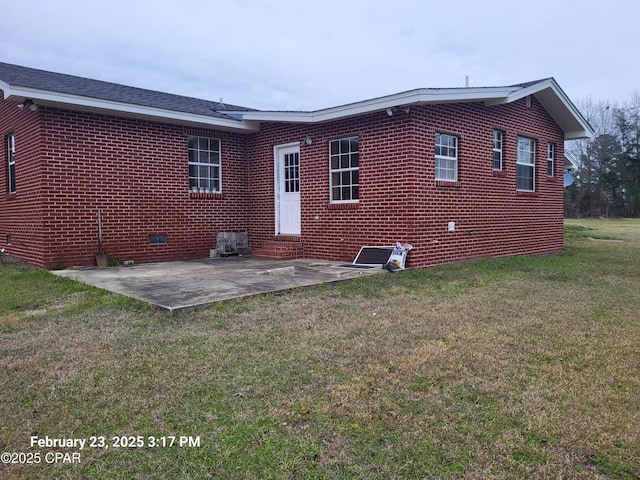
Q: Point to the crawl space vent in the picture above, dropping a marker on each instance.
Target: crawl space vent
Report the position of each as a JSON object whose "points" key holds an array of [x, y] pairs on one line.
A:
{"points": [[158, 239]]}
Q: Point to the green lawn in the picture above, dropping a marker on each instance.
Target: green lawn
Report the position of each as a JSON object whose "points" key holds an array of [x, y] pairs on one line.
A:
{"points": [[521, 367]]}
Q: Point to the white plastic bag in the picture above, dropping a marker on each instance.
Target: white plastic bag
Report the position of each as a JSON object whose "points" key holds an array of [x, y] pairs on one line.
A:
{"points": [[399, 256]]}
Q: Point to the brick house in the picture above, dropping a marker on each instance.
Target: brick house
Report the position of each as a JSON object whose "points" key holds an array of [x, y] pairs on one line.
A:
{"points": [[458, 173]]}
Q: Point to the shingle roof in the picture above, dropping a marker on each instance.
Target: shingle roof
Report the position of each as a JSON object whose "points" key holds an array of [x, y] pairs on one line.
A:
{"points": [[16, 75], [96, 95]]}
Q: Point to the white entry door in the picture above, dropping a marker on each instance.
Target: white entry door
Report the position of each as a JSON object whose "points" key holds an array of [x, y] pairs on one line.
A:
{"points": [[288, 190]]}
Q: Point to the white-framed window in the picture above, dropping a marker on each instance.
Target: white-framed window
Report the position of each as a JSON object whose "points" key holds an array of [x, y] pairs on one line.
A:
{"points": [[446, 157], [526, 164], [551, 159], [498, 138], [11, 163], [205, 168], [344, 164]]}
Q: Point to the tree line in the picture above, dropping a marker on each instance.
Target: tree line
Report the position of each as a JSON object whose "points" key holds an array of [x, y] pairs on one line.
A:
{"points": [[607, 180]]}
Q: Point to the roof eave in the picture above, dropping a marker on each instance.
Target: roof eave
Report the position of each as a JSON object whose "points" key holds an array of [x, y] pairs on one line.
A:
{"points": [[96, 105], [570, 163], [547, 91], [559, 106], [404, 99], [578, 135], [6, 88]]}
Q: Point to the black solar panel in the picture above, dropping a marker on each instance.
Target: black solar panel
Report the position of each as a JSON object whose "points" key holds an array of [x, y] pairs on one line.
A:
{"points": [[373, 256]]}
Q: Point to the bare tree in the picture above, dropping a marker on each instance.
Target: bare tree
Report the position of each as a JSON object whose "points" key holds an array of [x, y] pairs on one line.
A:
{"points": [[590, 194], [629, 127], [608, 178]]}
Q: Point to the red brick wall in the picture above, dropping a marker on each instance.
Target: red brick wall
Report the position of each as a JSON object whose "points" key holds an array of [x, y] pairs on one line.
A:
{"points": [[69, 165], [21, 213], [492, 218], [399, 197], [135, 172]]}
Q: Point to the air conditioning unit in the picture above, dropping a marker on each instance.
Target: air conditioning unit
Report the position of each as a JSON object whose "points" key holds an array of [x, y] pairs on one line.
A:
{"points": [[231, 243]]}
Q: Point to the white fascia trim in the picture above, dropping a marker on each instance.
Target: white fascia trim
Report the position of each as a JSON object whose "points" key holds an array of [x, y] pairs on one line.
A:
{"points": [[127, 109], [568, 157], [578, 135], [531, 90], [575, 124], [412, 97], [586, 130], [6, 89]]}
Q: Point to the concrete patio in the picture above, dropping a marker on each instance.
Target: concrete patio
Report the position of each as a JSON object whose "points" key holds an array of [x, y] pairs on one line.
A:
{"points": [[181, 285]]}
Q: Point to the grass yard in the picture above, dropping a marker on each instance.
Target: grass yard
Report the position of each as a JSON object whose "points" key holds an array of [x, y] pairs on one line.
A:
{"points": [[521, 367]]}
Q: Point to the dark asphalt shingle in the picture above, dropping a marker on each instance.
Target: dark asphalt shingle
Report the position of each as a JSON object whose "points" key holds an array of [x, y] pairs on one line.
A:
{"points": [[16, 75]]}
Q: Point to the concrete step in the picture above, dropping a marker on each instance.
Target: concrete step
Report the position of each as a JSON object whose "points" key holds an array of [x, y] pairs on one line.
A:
{"points": [[281, 244], [275, 255]]}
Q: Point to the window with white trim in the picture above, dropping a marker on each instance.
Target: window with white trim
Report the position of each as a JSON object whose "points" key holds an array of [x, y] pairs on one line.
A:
{"points": [[526, 164], [11, 163], [498, 136], [446, 157], [205, 175], [344, 164], [551, 159]]}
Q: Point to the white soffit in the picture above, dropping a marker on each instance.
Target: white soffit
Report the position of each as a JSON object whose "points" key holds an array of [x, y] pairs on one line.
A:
{"points": [[559, 106]]}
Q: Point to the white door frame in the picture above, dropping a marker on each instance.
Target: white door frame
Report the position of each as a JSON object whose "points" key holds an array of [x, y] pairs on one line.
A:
{"points": [[278, 183]]}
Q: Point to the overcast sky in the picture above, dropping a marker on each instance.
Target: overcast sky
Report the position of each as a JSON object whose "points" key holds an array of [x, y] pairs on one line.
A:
{"points": [[312, 54]]}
